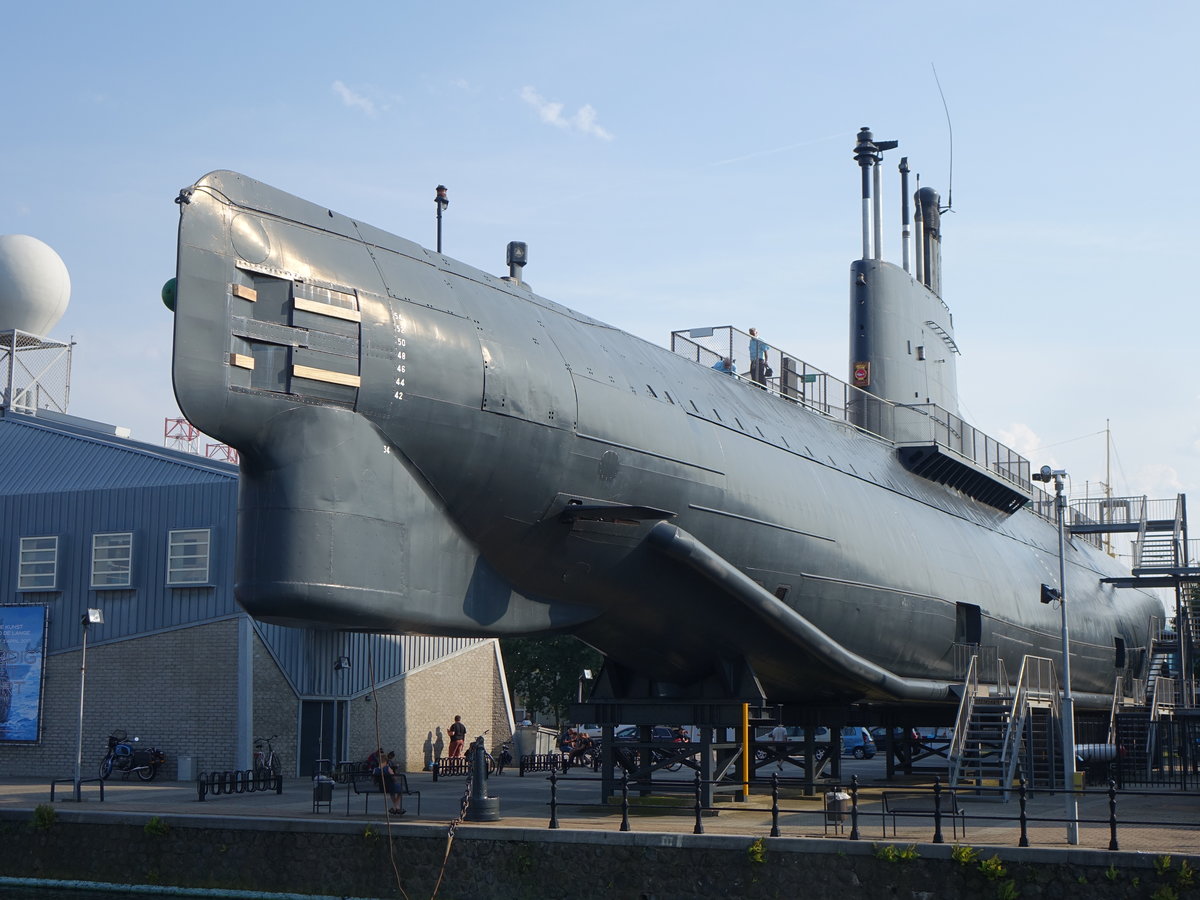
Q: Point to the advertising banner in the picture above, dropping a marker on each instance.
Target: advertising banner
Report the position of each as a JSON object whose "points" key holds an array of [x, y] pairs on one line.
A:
{"points": [[22, 652]]}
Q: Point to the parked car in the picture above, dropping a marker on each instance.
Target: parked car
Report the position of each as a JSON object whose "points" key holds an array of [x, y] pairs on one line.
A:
{"points": [[857, 742], [879, 735], [632, 732]]}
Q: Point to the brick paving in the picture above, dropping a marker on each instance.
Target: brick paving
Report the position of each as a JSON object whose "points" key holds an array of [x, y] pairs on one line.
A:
{"points": [[524, 803]]}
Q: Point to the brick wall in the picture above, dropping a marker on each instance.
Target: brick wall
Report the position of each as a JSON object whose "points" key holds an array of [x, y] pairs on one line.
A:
{"points": [[413, 713], [276, 708], [176, 691]]}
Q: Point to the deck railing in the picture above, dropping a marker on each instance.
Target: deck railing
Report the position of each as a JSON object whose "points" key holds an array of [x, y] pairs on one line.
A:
{"points": [[920, 423]]}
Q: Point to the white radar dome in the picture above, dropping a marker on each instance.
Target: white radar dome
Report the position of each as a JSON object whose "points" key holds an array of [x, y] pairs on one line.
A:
{"points": [[34, 285]]}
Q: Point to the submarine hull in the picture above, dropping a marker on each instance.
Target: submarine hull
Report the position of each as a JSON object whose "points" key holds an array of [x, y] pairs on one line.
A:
{"points": [[427, 448]]}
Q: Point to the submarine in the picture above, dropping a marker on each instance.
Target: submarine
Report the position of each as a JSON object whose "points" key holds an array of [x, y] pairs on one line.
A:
{"points": [[429, 448]]}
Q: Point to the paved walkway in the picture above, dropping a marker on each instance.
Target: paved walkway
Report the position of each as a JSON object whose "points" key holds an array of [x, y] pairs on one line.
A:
{"points": [[524, 804]]}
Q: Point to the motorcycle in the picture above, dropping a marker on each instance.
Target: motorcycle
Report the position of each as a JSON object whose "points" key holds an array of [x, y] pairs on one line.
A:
{"points": [[123, 756]]}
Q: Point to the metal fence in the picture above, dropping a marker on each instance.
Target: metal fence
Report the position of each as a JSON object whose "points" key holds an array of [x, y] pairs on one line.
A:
{"points": [[921, 813], [919, 423], [36, 372]]}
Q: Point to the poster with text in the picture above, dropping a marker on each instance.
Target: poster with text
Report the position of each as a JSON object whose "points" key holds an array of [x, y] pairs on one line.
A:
{"points": [[22, 651]]}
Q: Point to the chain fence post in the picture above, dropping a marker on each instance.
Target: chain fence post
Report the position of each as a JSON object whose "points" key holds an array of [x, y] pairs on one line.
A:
{"points": [[553, 799], [854, 835], [937, 810], [1022, 795]]}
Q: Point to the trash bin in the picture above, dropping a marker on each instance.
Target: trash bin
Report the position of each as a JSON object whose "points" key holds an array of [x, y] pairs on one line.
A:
{"points": [[525, 740], [837, 805], [322, 793], [186, 766]]}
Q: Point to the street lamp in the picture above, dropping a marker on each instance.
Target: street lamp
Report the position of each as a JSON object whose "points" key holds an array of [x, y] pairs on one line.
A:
{"points": [[1047, 475], [441, 202], [91, 617]]}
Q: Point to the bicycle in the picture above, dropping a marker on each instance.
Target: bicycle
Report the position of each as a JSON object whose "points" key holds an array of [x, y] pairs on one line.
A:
{"points": [[266, 762]]}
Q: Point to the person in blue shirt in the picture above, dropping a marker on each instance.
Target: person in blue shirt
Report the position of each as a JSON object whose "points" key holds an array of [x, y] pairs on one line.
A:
{"points": [[758, 359], [725, 364]]}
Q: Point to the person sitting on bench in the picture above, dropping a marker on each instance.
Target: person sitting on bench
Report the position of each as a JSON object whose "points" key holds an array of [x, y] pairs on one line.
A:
{"points": [[385, 778]]}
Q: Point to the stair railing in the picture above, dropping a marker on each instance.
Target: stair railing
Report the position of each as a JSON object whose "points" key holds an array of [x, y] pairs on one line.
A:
{"points": [[1140, 541], [1118, 701], [1003, 688], [958, 742], [1037, 682], [1164, 697]]}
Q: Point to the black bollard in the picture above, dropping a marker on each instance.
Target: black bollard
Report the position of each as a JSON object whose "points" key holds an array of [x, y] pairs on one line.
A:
{"points": [[482, 808], [854, 835], [1024, 841], [699, 827], [774, 804], [1112, 816], [553, 799], [625, 801], [937, 811]]}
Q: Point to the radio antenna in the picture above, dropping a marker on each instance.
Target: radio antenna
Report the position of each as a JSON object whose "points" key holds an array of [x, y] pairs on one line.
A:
{"points": [[950, 127]]}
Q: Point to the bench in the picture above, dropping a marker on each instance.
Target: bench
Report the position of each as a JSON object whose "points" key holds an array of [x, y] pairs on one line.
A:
{"points": [[922, 804], [367, 784]]}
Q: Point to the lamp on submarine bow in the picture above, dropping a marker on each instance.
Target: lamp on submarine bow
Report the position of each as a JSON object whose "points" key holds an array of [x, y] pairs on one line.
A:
{"points": [[1049, 594]]}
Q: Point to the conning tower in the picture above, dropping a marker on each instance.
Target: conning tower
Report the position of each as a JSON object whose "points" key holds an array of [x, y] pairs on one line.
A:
{"points": [[902, 345]]}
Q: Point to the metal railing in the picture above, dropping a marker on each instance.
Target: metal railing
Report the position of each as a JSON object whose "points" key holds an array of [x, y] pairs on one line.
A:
{"points": [[854, 806], [1036, 683], [966, 705], [797, 381]]}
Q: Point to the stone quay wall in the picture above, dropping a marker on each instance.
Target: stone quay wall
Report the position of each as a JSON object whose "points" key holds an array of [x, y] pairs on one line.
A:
{"points": [[356, 860]]}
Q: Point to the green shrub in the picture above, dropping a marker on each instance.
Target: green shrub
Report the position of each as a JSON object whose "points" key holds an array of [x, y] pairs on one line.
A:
{"points": [[156, 827], [894, 853], [43, 816], [1186, 874], [964, 855], [757, 851], [993, 869]]}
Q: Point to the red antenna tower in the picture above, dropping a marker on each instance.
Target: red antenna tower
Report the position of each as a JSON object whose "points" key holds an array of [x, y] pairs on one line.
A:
{"points": [[180, 434], [221, 451]]}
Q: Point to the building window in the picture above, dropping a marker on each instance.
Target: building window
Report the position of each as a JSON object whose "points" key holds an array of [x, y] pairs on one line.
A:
{"points": [[39, 564], [111, 558], [187, 556]]}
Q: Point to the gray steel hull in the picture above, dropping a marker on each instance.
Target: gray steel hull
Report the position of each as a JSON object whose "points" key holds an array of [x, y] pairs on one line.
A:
{"points": [[426, 484]]}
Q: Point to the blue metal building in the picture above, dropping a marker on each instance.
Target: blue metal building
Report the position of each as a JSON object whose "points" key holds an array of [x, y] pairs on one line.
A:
{"points": [[92, 520]]}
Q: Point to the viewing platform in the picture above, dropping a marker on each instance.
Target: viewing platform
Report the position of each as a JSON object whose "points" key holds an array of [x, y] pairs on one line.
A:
{"points": [[931, 442]]}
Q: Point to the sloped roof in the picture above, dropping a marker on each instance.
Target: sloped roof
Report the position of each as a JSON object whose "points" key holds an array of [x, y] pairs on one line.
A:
{"points": [[52, 457]]}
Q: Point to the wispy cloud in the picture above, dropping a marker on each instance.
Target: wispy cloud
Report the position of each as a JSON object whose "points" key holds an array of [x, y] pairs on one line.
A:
{"points": [[583, 120], [353, 99]]}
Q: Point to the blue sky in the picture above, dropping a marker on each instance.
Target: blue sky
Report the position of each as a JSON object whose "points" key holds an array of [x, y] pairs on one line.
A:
{"points": [[670, 165]]}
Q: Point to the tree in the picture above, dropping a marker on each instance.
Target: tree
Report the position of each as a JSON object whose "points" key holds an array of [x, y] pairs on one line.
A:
{"points": [[545, 671]]}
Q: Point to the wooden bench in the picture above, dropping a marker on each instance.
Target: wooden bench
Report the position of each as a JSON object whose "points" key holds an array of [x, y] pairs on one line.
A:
{"points": [[367, 784], [922, 804]]}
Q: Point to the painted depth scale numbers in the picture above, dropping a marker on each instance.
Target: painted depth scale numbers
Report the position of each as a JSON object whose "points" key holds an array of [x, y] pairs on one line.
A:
{"points": [[401, 354]]}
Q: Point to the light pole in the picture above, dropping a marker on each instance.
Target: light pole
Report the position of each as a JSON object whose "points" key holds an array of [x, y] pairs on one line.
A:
{"points": [[441, 202], [91, 617], [1048, 474]]}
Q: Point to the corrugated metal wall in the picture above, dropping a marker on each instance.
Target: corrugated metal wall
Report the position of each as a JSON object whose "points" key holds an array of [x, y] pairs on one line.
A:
{"points": [[64, 481], [307, 657], [78, 487]]}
